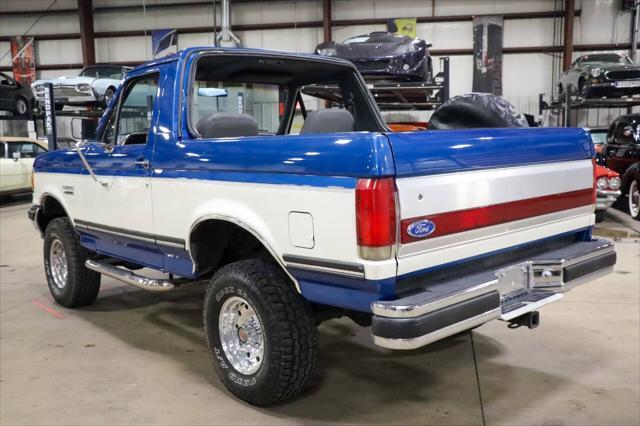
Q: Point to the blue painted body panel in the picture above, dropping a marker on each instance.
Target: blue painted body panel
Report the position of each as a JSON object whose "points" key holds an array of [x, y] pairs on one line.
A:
{"points": [[449, 151], [163, 258], [328, 160]]}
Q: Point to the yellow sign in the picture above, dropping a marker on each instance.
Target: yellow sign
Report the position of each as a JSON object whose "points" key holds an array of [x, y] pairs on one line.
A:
{"points": [[406, 26]]}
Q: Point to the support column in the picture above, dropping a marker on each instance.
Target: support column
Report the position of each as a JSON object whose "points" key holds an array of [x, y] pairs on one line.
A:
{"points": [[326, 19], [569, 15], [85, 11]]}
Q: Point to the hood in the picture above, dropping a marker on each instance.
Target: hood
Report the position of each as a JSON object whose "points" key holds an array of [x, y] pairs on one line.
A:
{"points": [[612, 67]]}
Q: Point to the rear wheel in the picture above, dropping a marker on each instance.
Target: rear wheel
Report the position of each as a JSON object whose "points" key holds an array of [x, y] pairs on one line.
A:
{"points": [[22, 107], [71, 284], [634, 199], [260, 332]]}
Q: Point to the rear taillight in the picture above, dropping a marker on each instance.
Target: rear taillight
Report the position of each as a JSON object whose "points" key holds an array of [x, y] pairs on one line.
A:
{"points": [[376, 217]]}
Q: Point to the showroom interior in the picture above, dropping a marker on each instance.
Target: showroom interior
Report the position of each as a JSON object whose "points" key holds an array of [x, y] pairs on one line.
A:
{"points": [[319, 212]]}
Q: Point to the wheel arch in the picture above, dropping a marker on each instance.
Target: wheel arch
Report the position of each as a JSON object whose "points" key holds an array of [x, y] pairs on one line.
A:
{"points": [[632, 172], [231, 226], [51, 208]]}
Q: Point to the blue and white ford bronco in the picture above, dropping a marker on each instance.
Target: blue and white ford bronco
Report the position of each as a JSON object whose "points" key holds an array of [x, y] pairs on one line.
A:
{"points": [[212, 166]]}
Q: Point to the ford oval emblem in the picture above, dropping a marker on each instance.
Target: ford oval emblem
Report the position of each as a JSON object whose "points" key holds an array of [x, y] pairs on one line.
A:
{"points": [[421, 228]]}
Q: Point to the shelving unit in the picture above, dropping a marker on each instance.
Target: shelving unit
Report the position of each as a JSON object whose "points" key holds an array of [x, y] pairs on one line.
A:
{"points": [[564, 107]]}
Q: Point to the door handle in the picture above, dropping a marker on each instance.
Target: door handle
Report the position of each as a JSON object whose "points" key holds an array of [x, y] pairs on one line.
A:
{"points": [[143, 163]]}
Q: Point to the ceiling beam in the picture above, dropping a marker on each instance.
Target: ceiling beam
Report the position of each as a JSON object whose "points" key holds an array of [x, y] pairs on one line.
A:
{"points": [[434, 52]]}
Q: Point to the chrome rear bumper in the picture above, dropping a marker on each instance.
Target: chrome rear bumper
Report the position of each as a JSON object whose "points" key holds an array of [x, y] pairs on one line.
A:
{"points": [[449, 307]]}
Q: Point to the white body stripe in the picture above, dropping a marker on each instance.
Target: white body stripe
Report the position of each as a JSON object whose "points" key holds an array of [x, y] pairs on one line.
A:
{"points": [[466, 190], [179, 203], [450, 248]]}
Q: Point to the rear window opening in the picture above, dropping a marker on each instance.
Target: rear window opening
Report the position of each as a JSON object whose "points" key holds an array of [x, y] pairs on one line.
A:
{"points": [[234, 96]]}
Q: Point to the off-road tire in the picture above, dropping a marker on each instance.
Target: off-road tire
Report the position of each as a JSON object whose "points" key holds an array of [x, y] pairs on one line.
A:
{"points": [[82, 285], [289, 331]]}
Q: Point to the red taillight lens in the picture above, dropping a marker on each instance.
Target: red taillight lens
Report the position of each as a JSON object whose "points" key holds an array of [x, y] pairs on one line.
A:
{"points": [[376, 212]]}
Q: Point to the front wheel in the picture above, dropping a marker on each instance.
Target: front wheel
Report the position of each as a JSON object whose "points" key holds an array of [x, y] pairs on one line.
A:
{"points": [[71, 284], [260, 332], [109, 94], [634, 199]]}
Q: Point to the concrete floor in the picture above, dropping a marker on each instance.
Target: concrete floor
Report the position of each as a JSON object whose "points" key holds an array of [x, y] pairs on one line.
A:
{"points": [[138, 357]]}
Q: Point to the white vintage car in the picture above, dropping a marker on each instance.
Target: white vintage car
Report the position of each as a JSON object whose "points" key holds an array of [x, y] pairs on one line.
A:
{"points": [[16, 162], [95, 85]]}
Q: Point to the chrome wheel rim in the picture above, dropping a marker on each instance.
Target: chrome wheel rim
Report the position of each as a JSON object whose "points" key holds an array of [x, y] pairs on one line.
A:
{"points": [[108, 95], [634, 199], [241, 335], [21, 107], [58, 263]]}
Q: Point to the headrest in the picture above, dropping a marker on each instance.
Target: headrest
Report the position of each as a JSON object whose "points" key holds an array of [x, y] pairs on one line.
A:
{"points": [[226, 125], [327, 121]]}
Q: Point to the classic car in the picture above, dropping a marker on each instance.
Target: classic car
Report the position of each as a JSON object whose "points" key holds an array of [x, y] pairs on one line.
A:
{"points": [[384, 55], [399, 231], [16, 160], [608, 185], [601, 75], [622, 154], [14, 96], [95, 85]]}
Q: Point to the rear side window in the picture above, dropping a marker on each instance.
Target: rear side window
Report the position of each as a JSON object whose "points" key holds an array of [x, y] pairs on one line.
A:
{"points": [[26, 149], [258, 100], [235, 96]]}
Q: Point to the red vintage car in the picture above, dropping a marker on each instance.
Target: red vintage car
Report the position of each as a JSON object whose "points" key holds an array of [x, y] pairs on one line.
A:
{"points": [[608, 190]]}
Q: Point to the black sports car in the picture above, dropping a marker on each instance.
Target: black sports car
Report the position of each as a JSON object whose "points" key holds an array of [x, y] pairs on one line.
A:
{"points": [[384, 55], [15, 97], [601, 74]]}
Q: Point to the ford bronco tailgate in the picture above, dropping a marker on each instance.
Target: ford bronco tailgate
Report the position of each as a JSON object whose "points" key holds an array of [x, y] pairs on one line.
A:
{"points": [[492, 223]]}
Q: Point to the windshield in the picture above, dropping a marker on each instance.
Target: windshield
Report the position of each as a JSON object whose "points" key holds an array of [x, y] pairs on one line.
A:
{"points": [[115, 73], [372, 38], [598, 137], [606, 57]]}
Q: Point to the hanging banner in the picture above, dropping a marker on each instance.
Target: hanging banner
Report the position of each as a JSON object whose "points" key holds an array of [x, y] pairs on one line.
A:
{"points": [[23, 60], [164, 43], [403, 26], [487, 54]]}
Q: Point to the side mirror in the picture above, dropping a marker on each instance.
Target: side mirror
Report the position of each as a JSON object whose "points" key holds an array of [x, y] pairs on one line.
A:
{"points": [[16, 156], [213, 92], [76, 129]]}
